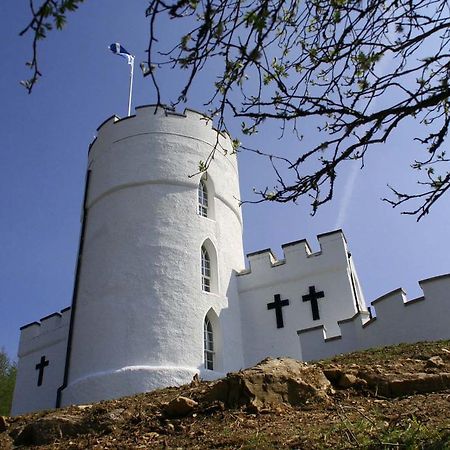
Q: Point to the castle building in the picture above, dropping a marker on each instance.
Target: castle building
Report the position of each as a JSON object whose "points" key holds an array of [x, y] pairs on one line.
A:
{"points": [[162, 291]]}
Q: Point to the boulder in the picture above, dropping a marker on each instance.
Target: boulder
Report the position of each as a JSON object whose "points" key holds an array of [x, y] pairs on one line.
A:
{"points": [[47, 429], [271, 382], [179, 407]]}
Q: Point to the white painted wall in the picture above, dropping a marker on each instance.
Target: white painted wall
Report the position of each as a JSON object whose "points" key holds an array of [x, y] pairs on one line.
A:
{"points": [[140, 308], [45, 338], [397, 320], [329, 270]]}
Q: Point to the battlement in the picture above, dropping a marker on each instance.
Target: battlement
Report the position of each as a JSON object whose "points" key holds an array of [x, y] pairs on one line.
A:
{"points": [[49, 329], [396, 320], [157, 119], [333, 251], [161, 110], [160, 147]]}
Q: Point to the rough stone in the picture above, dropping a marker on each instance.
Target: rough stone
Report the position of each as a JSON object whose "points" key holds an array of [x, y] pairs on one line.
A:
{"points": [[343, 380], [83, 407], [435, 362], [179, 407], [347, 380], [333, 374], [3, 424], [390, 385], [271, 382], [420, 383], [375, 381], [47, 429], [195, 380]]}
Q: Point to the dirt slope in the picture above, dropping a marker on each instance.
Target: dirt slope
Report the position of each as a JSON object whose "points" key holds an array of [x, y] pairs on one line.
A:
{"points": [[396, 397]]}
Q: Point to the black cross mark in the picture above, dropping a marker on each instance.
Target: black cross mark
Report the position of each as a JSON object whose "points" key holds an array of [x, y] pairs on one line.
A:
{"points": [[312, 297], [277, 305], [41, 366]]}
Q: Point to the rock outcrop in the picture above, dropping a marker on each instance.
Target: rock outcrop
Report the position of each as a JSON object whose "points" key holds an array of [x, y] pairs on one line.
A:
{"points": [[272, 381]]}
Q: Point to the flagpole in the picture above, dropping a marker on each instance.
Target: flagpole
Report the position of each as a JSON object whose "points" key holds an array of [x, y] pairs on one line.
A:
{"points": [[117, 49], [131, 84]]}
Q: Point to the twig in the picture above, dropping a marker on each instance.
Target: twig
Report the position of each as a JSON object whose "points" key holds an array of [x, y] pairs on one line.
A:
{"points": [[344, 420]]}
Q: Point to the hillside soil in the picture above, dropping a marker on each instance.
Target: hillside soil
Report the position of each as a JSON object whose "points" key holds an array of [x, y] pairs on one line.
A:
{"points": [[396, 397]]}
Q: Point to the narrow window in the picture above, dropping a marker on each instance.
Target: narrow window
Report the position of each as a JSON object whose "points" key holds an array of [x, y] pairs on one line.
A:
{"points": [[206, 271], [202, 199], [208, 344]]}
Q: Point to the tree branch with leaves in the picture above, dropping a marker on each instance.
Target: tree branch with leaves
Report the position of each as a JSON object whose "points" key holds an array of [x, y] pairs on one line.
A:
{"points": [[349, 73], [46, 16]]}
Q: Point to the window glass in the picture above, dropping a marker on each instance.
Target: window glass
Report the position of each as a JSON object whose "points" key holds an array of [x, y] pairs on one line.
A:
{"points": [[208, 344], [206, 271], [202, 199]]}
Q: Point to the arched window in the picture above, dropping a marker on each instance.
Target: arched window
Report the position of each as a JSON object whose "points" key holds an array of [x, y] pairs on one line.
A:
{"points": [[202, 199], [208, 344], [209, 272], [206, 271]]}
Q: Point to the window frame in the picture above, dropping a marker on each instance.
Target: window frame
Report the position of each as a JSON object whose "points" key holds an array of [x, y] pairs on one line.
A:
{"points": [[208, 344], [202, 199], [206, 270]]}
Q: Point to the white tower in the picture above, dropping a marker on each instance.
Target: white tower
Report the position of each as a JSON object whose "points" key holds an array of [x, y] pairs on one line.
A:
{"points": [[155, 300]]}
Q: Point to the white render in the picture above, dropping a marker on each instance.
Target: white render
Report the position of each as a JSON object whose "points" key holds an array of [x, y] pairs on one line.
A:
{"points": [[397, 320], [48, 338], [140, 309], [329, 270], [137, 316]]}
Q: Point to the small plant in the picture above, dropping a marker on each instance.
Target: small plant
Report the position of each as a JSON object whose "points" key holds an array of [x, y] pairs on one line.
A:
{"points": [[259, 441], [412, 434]]}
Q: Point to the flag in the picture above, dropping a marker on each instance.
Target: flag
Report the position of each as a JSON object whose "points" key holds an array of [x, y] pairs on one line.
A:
{"points": [[119, 50]]}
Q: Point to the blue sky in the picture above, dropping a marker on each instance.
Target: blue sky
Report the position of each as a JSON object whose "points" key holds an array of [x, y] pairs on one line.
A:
{"points": [[43, 155]]}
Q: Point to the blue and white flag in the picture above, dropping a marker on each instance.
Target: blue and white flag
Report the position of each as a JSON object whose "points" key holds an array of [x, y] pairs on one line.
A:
{"points": [[119, 50]]}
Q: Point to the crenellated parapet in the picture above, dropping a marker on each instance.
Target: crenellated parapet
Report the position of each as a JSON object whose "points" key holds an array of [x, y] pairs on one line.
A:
{"points": [[42, 351], [158, 147], [140, 266], [47, 331], [150, 119], [301, 290], [297, 257], [395, 319]]}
